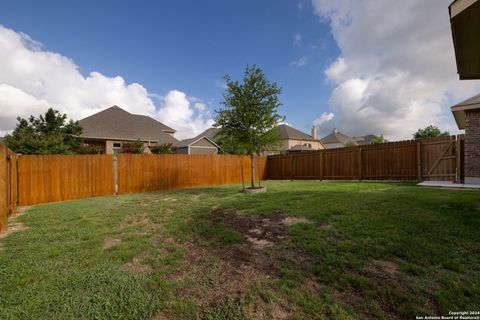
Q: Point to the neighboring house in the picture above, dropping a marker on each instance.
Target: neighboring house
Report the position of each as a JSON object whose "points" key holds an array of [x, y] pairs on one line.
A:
{"points": [[110, 128], [210, 133], [336, 139], [198, 145], [294, 140]]}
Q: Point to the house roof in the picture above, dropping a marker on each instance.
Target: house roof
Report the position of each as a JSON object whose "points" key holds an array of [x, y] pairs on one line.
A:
{"points": [[337, 137], [210, 133], [287, 132], [365, 140], [116, 123], [459, 109], [189, 142]]}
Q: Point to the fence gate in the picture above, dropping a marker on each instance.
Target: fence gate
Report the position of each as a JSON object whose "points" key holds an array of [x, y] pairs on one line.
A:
{"points": [[441, 159]]}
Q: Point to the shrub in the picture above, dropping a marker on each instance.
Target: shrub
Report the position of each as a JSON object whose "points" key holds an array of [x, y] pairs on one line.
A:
{"points": [[135, 147], [89, 150], [165, 148]]}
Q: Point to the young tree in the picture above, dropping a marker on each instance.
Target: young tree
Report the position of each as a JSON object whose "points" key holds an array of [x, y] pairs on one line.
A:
{"points": [[430, 132], [379, 140], [50, 133], [249, 114]]}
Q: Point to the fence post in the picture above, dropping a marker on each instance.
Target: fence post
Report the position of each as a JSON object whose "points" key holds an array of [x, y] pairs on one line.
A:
{"points": [[360, 164], [458, 154], [321, 165], [419, 161], [291, 167], [3, 189], [115, 173]]}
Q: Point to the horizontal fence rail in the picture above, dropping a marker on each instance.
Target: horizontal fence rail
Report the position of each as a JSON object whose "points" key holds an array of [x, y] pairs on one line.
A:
{"points": [[429, 159]]}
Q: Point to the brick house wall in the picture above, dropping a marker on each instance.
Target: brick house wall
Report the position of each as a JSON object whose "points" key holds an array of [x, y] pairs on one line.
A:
{"points": [[472, 146]]}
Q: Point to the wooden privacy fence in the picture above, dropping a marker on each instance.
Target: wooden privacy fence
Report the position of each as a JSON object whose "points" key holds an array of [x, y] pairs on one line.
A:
{"points": [[64, 177], [140, 173], [430, 159], [29, 180], [8, 185]]}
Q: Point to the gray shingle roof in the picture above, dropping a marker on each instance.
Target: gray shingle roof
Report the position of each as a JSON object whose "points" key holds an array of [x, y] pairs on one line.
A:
{"points": [[469, 101], [287, 132], [187, 142], [116, 123], [337, 137], [210, 134]]}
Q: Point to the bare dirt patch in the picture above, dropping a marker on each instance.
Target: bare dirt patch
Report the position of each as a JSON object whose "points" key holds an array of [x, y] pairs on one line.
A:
{"points": [[213, 275], [387, 267], [266, 229], [13, 225], [137, 266], [12, 228], [110, 242], [290, 221]]}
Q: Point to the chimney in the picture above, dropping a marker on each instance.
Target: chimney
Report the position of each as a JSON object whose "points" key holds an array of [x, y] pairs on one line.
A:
{"points": [[335, 130], [314, 132]]}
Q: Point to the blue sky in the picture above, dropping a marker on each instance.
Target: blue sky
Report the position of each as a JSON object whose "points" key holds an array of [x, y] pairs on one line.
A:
{"points": [[189, 45], [364, 66]]}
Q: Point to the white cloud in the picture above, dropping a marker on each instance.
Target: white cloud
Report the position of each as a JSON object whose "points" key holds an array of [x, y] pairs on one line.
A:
{"points": [[178, 113], [336, 69], [396, 69], [32, 79], [299, 62], [324, 118], [297, 39]]}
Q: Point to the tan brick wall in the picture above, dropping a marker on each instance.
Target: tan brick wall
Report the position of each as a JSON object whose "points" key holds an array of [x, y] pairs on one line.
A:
{"points": [[287, 144], [472, 145]]}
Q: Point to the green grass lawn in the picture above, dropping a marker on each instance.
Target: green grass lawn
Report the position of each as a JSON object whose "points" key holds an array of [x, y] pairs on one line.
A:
{"points": [[303, 250]]}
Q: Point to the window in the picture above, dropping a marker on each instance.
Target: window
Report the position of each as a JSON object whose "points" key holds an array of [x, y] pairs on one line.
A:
{"points": [[117, 144]]}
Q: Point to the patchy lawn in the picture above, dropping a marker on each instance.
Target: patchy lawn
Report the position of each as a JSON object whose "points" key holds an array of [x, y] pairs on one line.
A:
{"points": [[303, 250]]}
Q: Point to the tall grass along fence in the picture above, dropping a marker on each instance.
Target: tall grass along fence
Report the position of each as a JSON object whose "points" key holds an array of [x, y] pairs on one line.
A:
{"points": [[8, 185], [430, 159], [64, 177]]}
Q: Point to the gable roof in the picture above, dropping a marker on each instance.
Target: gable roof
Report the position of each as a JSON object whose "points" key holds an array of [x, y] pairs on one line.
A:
{"points": [[337, 137], [470, 101], [287, 132], [459, 109], [210, 133], [116, 123], [189, 142]]}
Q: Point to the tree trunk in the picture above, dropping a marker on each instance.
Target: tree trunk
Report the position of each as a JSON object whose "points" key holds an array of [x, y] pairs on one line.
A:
{"points": [[252, 161]]}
